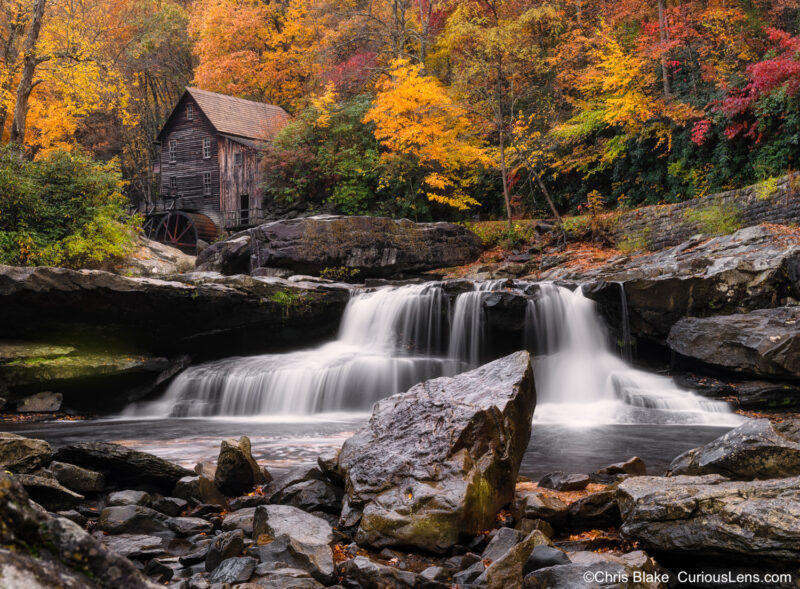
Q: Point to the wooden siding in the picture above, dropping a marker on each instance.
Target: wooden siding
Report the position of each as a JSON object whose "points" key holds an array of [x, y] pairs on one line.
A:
{"points": [[238, 179], [189, 165]]}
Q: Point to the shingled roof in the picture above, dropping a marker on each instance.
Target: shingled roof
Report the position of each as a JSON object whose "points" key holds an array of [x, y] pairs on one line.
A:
{"points": [[238, 117]]}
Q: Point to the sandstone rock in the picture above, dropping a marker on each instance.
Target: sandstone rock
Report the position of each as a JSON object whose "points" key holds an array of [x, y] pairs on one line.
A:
{"points": [[440, 460], [22, 455], [231, 256], [199, 488], [48, 493], [45, 402], [223, 547], [77, 478], [757, 449], [124, 466], [68, 556], [152, 258], [763, 343], [376, 246], [132, 519], [308, 537], [237, 471], [710, 515], [633, 466], [561, 481]]}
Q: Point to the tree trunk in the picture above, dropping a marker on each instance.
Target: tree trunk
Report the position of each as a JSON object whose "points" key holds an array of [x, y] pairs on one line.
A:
{"points": [[662, 30], [504, 172], [29, 63]]}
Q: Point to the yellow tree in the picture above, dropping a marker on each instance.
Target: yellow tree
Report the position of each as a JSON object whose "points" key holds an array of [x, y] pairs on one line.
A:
{"points": [[414, 116]]}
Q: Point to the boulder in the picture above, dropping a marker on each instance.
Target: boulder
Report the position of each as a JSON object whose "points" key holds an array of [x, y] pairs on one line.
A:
{"points": [[48, 493], [189, 526], [763, 343], [307, 488], [153, 258], [594, 512], [199, 489], [362, 573], [138, 546], [592, 569], [713, 516], [45, 402], [757, 449], [633, 466], [283, 578], [241, 519], [439, 461], [171, 506], [67, 555], [543, 556], [132, 519], [308, 537], [125, 466], [534, 505], [22, 455], [78, 479], [128, 498], [234, 570], [237, 471], [561, 481], [505, 571], [375, 246], [225, 546]]}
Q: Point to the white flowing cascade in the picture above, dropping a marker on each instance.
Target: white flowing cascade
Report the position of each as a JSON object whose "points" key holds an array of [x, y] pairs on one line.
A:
{"points": [[467, 333], [580, 381], [388, 342]]}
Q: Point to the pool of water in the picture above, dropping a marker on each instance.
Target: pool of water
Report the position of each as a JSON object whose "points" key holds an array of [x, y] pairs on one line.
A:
{"points": [[281, 443]]}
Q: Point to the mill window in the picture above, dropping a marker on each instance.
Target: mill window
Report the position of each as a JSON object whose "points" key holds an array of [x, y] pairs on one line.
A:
{"points": [[206, 183], [173, 151], [189, 112], [206, 148]]}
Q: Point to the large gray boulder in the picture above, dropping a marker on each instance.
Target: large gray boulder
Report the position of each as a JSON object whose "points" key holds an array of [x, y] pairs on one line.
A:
{"points": [[125, 466], [711, 515], [757, 449], [439, 461], [764, 343], [375, 246], [21, 455]]}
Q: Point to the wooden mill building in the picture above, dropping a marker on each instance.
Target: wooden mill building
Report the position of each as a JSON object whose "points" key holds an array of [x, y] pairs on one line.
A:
{"points": [[209, 167]]}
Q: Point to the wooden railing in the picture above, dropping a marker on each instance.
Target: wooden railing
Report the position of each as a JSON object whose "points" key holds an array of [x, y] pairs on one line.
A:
{"points": [[242, 218]]}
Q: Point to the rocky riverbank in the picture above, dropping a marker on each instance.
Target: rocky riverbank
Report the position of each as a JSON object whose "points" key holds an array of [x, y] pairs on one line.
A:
{"points": [[425, 496]]}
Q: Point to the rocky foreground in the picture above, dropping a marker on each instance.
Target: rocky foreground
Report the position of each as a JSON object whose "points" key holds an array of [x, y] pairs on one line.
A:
{"points": [[425, 496]]}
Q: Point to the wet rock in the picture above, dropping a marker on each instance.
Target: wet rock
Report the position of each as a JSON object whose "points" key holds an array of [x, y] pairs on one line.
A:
{"points": [[172, 506], [590, 569], [48, 492], [470, 574], [73, 516], [241, 519], [132, 519], [561, 481], [505, 570], [763, 343], [362, 573], [128, 498], [306, 488], [231, 256], [376, 246], [308, 537], [535, 505], [328, 463], [757, 449], [543, 556], [503, 540], [158, 570], [595, 511], [633, 466], [199, 488], [245, 501], [189, 526], [23, 455], [710, 515], [223, 547], [767, 396], [526, 526], [283, 578], [77, 478], [440, 460], [237, 471], [126, 467], [45, 402], [67, 555], [234, 570]]}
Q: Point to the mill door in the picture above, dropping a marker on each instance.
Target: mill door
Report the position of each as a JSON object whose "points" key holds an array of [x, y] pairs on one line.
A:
{"points": [[244, 210]]}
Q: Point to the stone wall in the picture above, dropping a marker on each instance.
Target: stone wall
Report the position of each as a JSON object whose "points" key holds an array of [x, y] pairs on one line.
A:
{"points": [[661, 226]]}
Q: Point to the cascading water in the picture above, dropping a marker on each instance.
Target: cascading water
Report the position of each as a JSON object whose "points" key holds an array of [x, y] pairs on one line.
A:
{"points": [[390, 339], [467, 334], [580, 381]]}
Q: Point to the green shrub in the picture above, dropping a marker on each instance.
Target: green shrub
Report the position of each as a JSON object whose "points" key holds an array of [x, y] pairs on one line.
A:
{"points": [[494, 234], [340, 274], [767, 189], [62, 210], [635, 241]]}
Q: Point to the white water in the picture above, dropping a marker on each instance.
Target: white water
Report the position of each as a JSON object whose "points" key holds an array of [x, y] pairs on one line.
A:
{"points": [[393, 338], [579, 380]]}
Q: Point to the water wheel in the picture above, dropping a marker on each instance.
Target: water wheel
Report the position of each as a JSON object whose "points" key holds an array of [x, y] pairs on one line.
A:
{"points": [[177, 229]]}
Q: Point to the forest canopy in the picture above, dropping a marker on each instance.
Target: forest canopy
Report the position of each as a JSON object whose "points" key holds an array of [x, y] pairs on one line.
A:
{"points": [[426, 108]]}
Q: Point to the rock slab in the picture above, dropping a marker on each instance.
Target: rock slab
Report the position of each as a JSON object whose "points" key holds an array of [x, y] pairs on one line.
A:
{"points": [[439, 461]]}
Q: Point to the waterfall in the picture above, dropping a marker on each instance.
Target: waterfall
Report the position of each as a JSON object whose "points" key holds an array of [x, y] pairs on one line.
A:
{"points": [[389, 340], [468, 331], [579, 380], [627, 351]]}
